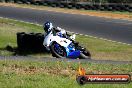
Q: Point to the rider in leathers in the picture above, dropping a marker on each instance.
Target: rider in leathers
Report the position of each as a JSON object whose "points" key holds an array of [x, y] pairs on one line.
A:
{"points": [[48, 26]]}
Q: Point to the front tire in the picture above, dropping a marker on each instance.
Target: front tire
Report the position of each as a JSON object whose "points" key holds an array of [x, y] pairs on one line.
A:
{"points": [[55, 51]]}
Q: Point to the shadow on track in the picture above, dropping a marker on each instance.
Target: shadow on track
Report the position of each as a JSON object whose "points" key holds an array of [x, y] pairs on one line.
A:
{"points": [[25, 51]]}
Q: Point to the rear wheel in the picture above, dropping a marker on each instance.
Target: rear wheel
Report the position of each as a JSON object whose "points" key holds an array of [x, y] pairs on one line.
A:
{"points": [[58, 51], [85, 55]]}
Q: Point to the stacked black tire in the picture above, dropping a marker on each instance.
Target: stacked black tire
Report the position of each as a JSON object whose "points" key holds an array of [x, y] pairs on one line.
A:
{"points": [[30, 42], [2, 0], [6, 0]]}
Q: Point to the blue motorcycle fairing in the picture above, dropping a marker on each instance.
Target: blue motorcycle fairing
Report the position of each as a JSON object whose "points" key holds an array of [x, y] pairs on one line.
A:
{"points": [[74, 54], [69, 49], [60, 34], [71, 52]]}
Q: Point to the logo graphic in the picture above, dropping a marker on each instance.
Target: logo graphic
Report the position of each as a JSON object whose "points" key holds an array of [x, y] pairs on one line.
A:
{"points": [[83, 78]]}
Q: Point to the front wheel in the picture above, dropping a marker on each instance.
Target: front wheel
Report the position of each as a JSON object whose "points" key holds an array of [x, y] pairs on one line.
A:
{"points": [[58, 51]]}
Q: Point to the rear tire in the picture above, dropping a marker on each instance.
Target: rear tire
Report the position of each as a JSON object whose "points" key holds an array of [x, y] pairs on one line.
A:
{"points": [[85, 55]]}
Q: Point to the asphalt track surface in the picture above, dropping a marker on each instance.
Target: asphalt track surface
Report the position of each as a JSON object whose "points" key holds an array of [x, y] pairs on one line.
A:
{"points": [[112, 29], [47, 59]]}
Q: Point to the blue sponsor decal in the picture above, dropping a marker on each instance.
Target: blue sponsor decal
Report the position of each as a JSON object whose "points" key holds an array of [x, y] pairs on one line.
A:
{"points": [[71, 52]]}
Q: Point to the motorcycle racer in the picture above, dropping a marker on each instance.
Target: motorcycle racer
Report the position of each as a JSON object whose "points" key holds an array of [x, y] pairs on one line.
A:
{"points": [[48, 26], [60, 44]]}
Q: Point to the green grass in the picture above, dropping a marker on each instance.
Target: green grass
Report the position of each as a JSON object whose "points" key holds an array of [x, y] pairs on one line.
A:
{"points": [[9, 28], [58, 74], [99, 49]]}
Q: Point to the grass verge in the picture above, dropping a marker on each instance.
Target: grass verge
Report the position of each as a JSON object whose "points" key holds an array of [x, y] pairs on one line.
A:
{"points": [[57, 74], [106, 14]]}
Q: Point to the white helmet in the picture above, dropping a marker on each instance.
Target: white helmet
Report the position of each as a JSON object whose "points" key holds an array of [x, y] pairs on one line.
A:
{"points": [[47, 26]]}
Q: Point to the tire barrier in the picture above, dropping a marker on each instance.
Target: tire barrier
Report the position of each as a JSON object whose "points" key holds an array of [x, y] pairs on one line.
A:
{"points": [[30, 42], [86, 6], [130, 8]]}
